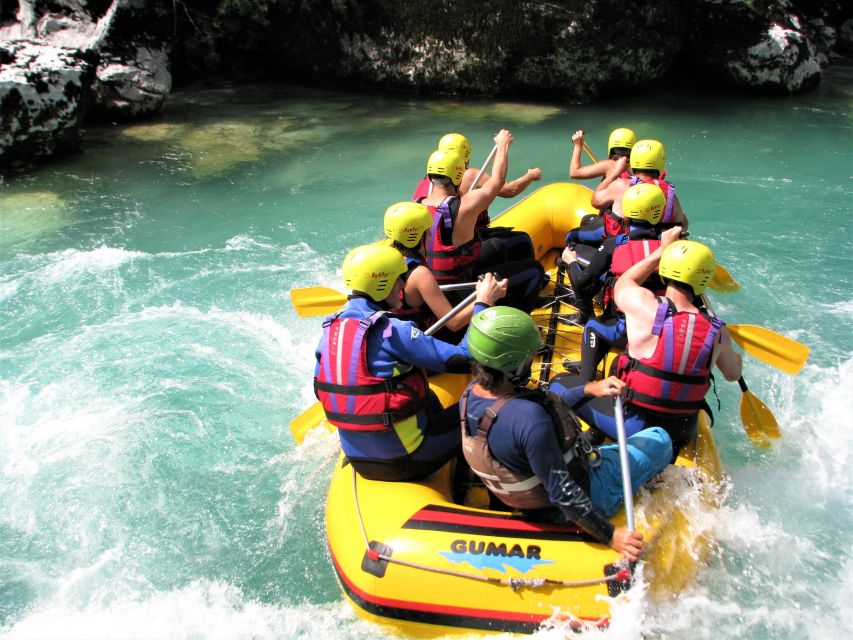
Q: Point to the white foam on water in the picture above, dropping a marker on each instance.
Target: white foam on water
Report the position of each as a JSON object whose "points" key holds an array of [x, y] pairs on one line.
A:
{"points": [[200, 610], [245, 242], [62, 459], [780, 571], [71, 263], [8, 289]]}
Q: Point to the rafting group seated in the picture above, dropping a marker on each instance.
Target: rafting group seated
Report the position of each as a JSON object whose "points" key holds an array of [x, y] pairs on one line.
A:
{"points": [[448, 292]]}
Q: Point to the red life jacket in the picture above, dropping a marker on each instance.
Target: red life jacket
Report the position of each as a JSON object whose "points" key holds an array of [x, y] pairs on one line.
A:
{"points": [[423, 189], [642, 242], [675, 379], [668, 217], [449, 262], [352, 397]]}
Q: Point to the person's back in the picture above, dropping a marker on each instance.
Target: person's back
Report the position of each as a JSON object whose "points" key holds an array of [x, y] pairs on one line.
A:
{"points": [[672, 344]]}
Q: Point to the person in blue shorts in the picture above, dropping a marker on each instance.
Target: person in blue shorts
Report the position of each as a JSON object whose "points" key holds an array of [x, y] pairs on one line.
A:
{"points": [[526, 445]]}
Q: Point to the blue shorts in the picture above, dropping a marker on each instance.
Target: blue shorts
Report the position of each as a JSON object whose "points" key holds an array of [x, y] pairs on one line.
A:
{"points": [[649, 452]]}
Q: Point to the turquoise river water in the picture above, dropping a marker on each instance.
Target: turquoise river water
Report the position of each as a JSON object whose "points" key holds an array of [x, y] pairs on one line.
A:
{"points": [[151, 361]]}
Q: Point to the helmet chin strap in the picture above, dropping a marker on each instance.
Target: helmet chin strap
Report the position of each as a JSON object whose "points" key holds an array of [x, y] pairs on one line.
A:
{"points": [[521, 376]]}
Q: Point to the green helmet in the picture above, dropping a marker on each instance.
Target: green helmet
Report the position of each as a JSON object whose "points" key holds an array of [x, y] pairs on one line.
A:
{"points": [[621, 139], [446, 163], [689, 262], [458, 143], [373, 269], [503, 338], [644, 201], [406, 222], [648, 154]]}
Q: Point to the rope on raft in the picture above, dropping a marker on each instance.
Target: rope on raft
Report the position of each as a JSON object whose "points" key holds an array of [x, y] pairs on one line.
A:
{"points": [[513, 583]]}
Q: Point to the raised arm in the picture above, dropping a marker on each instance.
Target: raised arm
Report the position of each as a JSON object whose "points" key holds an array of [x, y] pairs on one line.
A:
{"points": [[424, 282], [473, 202], [594, 170], [512, 189]]}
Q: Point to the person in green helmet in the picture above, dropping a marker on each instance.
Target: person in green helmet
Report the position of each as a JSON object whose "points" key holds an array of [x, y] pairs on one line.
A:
{"points": [[526, 445]]}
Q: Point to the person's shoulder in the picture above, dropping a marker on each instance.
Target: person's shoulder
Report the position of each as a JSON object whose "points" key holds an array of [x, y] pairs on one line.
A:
{"points": [[531, 412]]}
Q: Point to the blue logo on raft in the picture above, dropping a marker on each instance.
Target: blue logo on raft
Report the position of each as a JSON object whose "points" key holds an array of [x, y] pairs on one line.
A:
{"points": [[491, 555]]}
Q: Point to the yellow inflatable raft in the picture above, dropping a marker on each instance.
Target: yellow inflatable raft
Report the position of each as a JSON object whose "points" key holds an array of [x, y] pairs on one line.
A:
{"points": [[408, 556]]}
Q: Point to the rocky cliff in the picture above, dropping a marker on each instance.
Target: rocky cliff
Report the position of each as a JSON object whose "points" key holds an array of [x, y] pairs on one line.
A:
{"points": [[66, 60]]}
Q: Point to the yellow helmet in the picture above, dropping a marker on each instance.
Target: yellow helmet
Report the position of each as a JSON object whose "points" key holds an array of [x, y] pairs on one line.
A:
{"points": [[621, 138], [648, 154], [689, 262], [458, 143], [446, 163], [644, 201], [406, 222], [373, 269]]}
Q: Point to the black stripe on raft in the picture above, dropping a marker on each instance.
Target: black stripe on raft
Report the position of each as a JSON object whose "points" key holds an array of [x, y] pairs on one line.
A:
{"points": [[455, 520]]}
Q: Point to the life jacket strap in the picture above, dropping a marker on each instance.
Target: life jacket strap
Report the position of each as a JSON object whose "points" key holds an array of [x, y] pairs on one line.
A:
{"points": [[680, 378], [688, 406]]}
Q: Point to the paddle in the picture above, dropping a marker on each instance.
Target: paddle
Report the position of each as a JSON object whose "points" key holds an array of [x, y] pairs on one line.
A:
{"points": [[321, 301], [758, 421], [483, 168], [722, 281], [311, 417], [768, 346], [623, 463], [589, 153]]}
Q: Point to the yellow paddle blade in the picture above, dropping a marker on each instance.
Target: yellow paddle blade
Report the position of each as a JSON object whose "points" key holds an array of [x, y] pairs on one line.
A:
{"points": [[722, 281], [306, 421], [316, 301], [768, 346], [759, 423]]}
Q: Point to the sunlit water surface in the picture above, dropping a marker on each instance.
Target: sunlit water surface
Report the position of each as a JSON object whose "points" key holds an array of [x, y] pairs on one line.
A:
{"points": [[151, 361]]}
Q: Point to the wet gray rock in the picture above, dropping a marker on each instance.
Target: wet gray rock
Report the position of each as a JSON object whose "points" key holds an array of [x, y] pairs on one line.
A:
{"points": [[132, 87], [784, 61], [42, 100], [62, 66]]}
